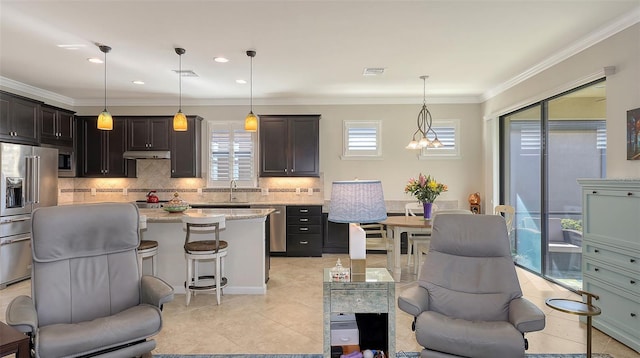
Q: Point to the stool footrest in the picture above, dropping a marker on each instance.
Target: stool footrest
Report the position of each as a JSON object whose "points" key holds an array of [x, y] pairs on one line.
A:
{"points": [[223, 283]]}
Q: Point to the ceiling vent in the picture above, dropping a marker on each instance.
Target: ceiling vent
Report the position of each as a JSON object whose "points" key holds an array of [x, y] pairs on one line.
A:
{"points": [[373, 71], [186, 73]]}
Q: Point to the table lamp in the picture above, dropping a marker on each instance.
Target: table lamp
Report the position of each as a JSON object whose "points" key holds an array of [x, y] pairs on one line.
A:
{"points": [[357, 202]]}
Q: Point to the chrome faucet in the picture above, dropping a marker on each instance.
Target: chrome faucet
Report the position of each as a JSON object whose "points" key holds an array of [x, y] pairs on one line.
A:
{"points": [[232, 185]]}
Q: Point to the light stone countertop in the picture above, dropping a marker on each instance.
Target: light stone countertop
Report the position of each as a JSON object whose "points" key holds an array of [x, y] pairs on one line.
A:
{"points": [[161, 215]]}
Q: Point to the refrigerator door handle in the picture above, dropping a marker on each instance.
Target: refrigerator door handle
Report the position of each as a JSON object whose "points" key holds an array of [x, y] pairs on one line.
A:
{"points": [[28, 180], [36, 179]]}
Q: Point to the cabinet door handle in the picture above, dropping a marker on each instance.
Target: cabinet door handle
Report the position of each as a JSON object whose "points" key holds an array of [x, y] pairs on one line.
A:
{"points": [[304, 229], [594, 192], [304, 220], [304, 210], [633, 315], [632, 282], [596, 251], [629, 193], [596, 269], [632, 260], [304, 242]]}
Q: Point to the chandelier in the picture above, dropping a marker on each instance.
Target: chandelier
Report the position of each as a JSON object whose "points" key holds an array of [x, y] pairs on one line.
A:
{"points": [[424, 123]]}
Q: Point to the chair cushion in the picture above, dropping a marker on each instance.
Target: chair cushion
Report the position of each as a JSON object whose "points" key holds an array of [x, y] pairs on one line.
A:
{"points": [[478, 339], [204, 245], [75, 339]]}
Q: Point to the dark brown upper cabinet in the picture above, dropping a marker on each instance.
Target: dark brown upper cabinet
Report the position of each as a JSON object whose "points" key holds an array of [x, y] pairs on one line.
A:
{"points": [[289, 145], [19, 118], [185, 150], [149, 133], [100, 152], [56, 126]]}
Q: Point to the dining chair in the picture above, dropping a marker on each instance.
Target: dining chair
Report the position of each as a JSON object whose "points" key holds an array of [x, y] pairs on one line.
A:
{"points": [[414, 238]]}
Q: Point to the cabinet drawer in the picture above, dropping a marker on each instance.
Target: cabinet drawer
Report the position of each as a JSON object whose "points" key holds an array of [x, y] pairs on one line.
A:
{"points": [[360, 301], [610, 255], [304, 229], [304, 220], [621, 312], [312, 210], [304, 245], [613, 276]]}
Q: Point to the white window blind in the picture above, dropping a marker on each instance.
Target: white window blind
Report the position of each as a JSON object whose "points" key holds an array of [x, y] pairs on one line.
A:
{"points": [[361, 139], [448, 132], [232, 155]]}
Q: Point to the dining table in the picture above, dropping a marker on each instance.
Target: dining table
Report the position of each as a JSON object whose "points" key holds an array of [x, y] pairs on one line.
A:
{"points": [[399, 224]]}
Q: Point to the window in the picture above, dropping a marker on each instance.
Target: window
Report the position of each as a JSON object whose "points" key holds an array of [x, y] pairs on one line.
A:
{"points": [[449, 134], [361, 139], [231, 155]]}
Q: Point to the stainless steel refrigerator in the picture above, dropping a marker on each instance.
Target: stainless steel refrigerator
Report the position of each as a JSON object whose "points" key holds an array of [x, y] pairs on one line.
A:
{"points": [[29, 180]]}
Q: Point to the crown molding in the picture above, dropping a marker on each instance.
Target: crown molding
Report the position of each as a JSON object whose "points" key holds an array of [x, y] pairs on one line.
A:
{"points": [[620, 24], [324, 101], [35, 91]]}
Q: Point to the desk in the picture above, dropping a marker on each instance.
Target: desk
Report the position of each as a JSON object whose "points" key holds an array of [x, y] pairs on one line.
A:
{"points": [[400, 224], [12, 341], [578, 308]]}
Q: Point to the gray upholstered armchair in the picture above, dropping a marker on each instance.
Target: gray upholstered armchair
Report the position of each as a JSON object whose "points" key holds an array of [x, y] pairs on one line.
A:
{"points": [[468, 301], [87, 296]]}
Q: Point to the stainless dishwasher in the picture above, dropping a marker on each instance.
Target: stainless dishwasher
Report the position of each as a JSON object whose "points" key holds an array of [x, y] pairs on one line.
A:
{"points": [[278, 228]]}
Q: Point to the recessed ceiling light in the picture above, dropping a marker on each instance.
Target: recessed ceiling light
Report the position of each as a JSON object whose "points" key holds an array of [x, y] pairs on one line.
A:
{"points": [[242, 82], [72, 46], [95, 60], [221, 59], [138, 82]]}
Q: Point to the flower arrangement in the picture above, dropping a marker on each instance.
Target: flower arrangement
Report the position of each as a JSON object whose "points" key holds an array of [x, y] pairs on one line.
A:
{"points": [[426, 189]]}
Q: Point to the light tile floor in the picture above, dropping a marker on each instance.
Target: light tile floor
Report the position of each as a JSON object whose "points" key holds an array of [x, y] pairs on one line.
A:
{"points": [[288, 319]]}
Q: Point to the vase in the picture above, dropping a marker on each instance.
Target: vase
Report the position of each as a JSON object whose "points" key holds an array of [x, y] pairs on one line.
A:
{"points": [[427, 210]]}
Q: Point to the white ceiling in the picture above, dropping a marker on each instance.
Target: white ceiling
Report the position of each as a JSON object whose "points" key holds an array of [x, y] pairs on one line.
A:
{"points": [[307, 51]]}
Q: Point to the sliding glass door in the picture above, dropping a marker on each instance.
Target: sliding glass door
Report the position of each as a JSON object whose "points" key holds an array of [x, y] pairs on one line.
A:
{"points": [[545, 149]]}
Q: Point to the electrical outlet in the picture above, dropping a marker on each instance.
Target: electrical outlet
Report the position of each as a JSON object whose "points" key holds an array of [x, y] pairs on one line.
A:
{"points": [[265, 191], [93, 191], [298, 191], [310, 191], [199, 191], [125, 191]]}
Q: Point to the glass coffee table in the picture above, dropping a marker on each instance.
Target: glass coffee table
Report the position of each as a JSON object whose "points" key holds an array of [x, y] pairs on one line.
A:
{"points": [[578, 308]]}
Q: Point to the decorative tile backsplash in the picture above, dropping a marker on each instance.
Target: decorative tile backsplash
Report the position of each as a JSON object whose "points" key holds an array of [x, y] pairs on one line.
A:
{"points": [[155, 174]]}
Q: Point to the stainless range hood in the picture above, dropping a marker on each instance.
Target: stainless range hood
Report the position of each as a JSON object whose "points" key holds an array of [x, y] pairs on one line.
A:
{"points": [[147, 154]]}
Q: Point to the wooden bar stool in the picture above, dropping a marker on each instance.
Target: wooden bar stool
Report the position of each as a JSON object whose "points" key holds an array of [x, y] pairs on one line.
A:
{"points": [[195, 251], [146, 249]]}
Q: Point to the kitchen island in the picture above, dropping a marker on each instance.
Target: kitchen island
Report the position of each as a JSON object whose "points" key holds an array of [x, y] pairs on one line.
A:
{"points": [[245, 264]]}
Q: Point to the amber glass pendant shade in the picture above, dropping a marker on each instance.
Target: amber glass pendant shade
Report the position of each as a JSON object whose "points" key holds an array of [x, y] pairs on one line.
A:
{"points": [[105, 121], [179, 122], [251, 122]]}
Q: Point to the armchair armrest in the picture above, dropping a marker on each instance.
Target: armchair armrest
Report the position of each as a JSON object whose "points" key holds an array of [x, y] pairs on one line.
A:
{"points": [[526, 316], [414, 300], [155, 291], [21, 314]]}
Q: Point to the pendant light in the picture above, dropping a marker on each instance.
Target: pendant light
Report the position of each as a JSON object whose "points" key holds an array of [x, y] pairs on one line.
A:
{"points": [[180, 120], [424, 123], [251, 121], [105, 121]]}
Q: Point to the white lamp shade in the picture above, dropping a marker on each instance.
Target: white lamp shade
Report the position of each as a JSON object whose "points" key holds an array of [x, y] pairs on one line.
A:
{"points": [[357, 201]]}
